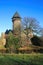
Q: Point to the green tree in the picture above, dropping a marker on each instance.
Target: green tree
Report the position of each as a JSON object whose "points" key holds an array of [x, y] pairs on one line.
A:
{"points": [[12, 43]]}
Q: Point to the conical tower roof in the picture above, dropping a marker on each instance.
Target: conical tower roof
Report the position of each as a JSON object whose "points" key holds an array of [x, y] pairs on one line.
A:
{"points": [[16, 15]]}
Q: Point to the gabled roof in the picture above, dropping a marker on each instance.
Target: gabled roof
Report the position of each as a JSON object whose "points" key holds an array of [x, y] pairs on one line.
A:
{"points": [[16, 15]]}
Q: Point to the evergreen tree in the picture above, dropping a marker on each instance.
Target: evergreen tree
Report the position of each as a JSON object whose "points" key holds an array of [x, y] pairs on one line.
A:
{"points": [[12, 43]]}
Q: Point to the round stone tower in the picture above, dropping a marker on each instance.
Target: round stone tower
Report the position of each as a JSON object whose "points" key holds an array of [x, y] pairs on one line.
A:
{"points": [[16, 19]]}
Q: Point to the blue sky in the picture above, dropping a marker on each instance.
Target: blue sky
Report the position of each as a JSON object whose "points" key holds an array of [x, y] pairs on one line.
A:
{"points": [[29, 8]]}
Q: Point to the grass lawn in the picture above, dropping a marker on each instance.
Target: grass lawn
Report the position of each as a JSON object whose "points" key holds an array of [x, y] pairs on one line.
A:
{"points": [[21, 59]]}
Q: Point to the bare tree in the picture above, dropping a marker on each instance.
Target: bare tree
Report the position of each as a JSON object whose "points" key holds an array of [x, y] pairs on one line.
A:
{"points": [[41, 32], [30, 25]]}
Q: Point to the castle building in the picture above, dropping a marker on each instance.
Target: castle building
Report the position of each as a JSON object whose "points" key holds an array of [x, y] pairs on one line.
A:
{"points": [[16, 20]]}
